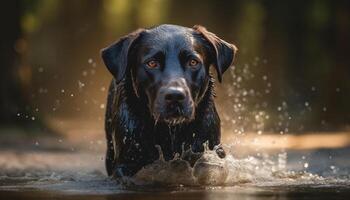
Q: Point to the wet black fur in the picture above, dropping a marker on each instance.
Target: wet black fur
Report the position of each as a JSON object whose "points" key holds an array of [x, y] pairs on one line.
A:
{"points": [[132, 132]]}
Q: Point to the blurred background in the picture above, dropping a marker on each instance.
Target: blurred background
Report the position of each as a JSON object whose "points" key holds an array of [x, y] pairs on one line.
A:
{"points": [[285, 105], [291, 74]]}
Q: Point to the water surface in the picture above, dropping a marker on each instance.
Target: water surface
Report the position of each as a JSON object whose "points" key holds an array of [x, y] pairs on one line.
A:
{"points": [[62, 169]]}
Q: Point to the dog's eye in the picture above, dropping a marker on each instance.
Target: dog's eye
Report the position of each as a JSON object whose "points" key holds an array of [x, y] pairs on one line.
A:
{"points": [[152, 64], [193, 62]]}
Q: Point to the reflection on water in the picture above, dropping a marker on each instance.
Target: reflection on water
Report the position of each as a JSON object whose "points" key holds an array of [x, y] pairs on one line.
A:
{"points": [[237, 192], [41, 170]]}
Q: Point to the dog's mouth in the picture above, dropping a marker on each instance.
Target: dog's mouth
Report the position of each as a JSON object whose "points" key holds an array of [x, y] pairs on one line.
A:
{"points": [[174, 116]]}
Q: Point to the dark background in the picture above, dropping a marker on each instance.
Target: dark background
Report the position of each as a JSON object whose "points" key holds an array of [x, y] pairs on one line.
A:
{"points": [[291, 73]]}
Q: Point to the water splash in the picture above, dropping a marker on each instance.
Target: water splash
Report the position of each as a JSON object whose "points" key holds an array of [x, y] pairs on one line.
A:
{"points": [[210, 170], [83, 172]]}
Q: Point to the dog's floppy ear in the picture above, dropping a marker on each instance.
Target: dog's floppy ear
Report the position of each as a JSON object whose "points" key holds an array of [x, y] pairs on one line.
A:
{"points": [[115, 56], [224, 51]]}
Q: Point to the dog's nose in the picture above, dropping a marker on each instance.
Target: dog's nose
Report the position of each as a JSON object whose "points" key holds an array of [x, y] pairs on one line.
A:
{"points": [[174, 94]]}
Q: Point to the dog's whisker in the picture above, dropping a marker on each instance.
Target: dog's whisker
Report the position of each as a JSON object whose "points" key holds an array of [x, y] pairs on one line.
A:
{"points": [[156, 118]]}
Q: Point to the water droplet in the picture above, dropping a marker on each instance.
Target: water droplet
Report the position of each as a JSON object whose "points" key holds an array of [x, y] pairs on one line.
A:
{"points": [[81, 84], [84, 73], [284, 104], [306, 165], [334, 169]]}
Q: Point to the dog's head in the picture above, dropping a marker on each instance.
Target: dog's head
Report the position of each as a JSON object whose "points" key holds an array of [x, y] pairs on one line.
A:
{"points": [[169, 65]]}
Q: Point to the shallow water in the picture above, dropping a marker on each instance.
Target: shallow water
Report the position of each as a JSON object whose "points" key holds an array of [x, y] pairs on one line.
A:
{"points": [[47, 170]]}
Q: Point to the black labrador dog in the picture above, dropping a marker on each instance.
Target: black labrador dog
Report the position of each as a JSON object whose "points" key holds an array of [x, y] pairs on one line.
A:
{"points": [[162, 94]]}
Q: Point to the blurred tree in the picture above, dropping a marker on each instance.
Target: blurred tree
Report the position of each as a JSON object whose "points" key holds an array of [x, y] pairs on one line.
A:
{"points": [[11, 99]]}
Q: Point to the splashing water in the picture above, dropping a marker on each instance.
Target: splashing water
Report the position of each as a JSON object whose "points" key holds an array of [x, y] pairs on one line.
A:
{"points": [[210, 170], [82, 172]]}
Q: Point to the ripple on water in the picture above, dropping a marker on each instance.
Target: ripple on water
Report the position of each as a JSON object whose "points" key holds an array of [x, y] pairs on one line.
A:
{"points": [[208, 171]]}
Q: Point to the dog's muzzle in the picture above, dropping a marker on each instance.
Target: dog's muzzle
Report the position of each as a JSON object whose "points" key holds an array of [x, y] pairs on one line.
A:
{"points": [[174, 104]]}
